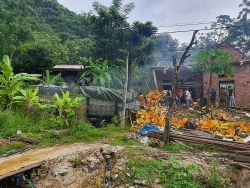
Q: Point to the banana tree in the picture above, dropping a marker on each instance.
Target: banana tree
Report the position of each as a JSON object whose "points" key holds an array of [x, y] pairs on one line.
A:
{"points": [[53, 79], [99, 71], [65, 107], [31, 101], [11, 84]]}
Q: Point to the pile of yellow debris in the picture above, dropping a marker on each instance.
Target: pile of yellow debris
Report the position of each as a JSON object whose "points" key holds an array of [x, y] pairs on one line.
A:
{"points": [[154, 113]]}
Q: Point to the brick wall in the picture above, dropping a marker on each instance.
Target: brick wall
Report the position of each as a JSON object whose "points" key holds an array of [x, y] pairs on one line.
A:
{"points": [[227, 47], [241, 81], [241, 77]]}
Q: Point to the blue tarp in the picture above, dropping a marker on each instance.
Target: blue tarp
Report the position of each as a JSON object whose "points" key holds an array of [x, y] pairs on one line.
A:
{"points": [[148, 127]]}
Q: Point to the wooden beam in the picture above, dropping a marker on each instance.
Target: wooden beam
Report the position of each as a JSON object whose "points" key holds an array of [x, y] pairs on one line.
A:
{"points": [[28, 140], [155, 80], [22, 169]]}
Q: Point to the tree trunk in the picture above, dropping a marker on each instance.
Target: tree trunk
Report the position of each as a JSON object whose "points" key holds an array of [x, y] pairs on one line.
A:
{"points": [[172, 105], [208, 94], [125, 93]]}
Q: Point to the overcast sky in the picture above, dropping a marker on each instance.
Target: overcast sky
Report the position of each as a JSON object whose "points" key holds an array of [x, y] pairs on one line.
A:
{"points": [[169, 12]]}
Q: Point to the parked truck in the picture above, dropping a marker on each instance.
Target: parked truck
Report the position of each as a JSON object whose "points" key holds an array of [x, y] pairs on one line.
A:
{"points": [[102, 103]]}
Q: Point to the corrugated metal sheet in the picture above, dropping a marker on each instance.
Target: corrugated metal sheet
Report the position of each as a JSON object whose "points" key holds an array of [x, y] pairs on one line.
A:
{"points": [[76, 67]]}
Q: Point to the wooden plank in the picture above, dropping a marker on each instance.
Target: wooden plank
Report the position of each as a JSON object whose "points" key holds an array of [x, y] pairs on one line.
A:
{"points": [[28, 140], [22, 169], [242, 158], [236, 163], [202, 139], [243, 152]]}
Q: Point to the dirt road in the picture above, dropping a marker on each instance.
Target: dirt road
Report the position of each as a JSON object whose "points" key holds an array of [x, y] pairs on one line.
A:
{"points": [[15, 162]]}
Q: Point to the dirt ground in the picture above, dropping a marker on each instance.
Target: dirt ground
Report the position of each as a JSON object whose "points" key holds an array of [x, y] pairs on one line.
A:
{"points": [[81, 165]]}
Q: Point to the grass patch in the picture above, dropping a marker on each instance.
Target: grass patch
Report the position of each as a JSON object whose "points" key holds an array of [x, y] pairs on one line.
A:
{"points": [[216, 178], [11, 147], [43, 129], [189, 146], [171, 173], [122, 140], [176, 147]]}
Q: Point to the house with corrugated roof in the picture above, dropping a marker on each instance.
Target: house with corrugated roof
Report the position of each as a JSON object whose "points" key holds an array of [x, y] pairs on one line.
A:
{"points": [[163, 75], [164, 72]]}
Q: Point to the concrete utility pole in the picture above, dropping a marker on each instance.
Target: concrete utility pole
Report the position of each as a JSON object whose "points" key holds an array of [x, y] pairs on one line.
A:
{"points": [[125, 94]]}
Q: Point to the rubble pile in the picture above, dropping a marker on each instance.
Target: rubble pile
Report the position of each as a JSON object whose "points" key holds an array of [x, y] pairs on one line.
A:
{"points": [[153, 113], [218, 122]]}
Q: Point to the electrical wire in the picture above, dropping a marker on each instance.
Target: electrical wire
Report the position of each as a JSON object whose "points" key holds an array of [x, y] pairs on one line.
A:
{"points": [[207, 9], [185, 24], [191, 23], [167, 32], [204, 29]]}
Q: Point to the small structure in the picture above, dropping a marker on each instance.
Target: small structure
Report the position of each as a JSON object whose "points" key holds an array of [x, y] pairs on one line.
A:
{"points": [[163, 76], [68, 72], [240, 82]]}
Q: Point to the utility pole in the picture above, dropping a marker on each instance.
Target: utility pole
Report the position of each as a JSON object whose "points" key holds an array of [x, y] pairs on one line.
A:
{"points": [[125, 94]]}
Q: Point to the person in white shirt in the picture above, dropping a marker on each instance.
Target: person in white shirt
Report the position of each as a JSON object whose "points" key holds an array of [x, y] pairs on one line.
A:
{"points": [[188, 97]]}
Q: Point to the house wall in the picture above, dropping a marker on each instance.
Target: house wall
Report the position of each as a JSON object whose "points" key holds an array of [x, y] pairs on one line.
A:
{"points": [[238, 56], [185, 73], [241, 77], [241, 81]]}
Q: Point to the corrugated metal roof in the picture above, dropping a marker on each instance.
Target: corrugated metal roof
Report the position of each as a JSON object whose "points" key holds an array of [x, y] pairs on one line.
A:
{"points": [[170, 64], [76, 67]]}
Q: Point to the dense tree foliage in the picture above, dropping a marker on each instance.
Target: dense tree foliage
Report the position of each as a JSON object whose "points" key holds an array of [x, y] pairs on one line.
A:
{"points": [[234, 30], [17, 21], [114, 37], [53, 17], [43, 33], [214, 61], [44, 51], [166, 46]]}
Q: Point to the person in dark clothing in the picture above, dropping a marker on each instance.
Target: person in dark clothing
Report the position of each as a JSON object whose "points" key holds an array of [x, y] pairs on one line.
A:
{"points": [[212, 96], [169, 93]]}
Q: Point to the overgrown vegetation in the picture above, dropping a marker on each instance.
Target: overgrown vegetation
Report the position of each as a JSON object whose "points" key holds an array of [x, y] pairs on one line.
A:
{"points": [[44, 130], [170, 173], [187, 146], [215, 176]]}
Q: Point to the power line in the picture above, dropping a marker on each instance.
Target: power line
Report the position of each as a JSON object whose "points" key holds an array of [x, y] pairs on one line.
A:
{"points": [[185, 24], [191, 23], [159, 33], [204, 29], [207, 9]]}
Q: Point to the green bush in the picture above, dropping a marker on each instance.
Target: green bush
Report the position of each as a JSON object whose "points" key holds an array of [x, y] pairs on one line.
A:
{"points": [[179, 175], [215, 177]]}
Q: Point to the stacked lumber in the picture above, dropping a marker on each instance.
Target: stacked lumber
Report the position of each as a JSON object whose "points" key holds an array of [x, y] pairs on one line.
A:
{"points": [[241, 150], [202, 140]]}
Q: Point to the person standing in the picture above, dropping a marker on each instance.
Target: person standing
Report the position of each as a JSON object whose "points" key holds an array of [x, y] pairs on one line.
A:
{"points": [[230, 96], [181, 97], [223, 97], [188, 97], [212, 96]]}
